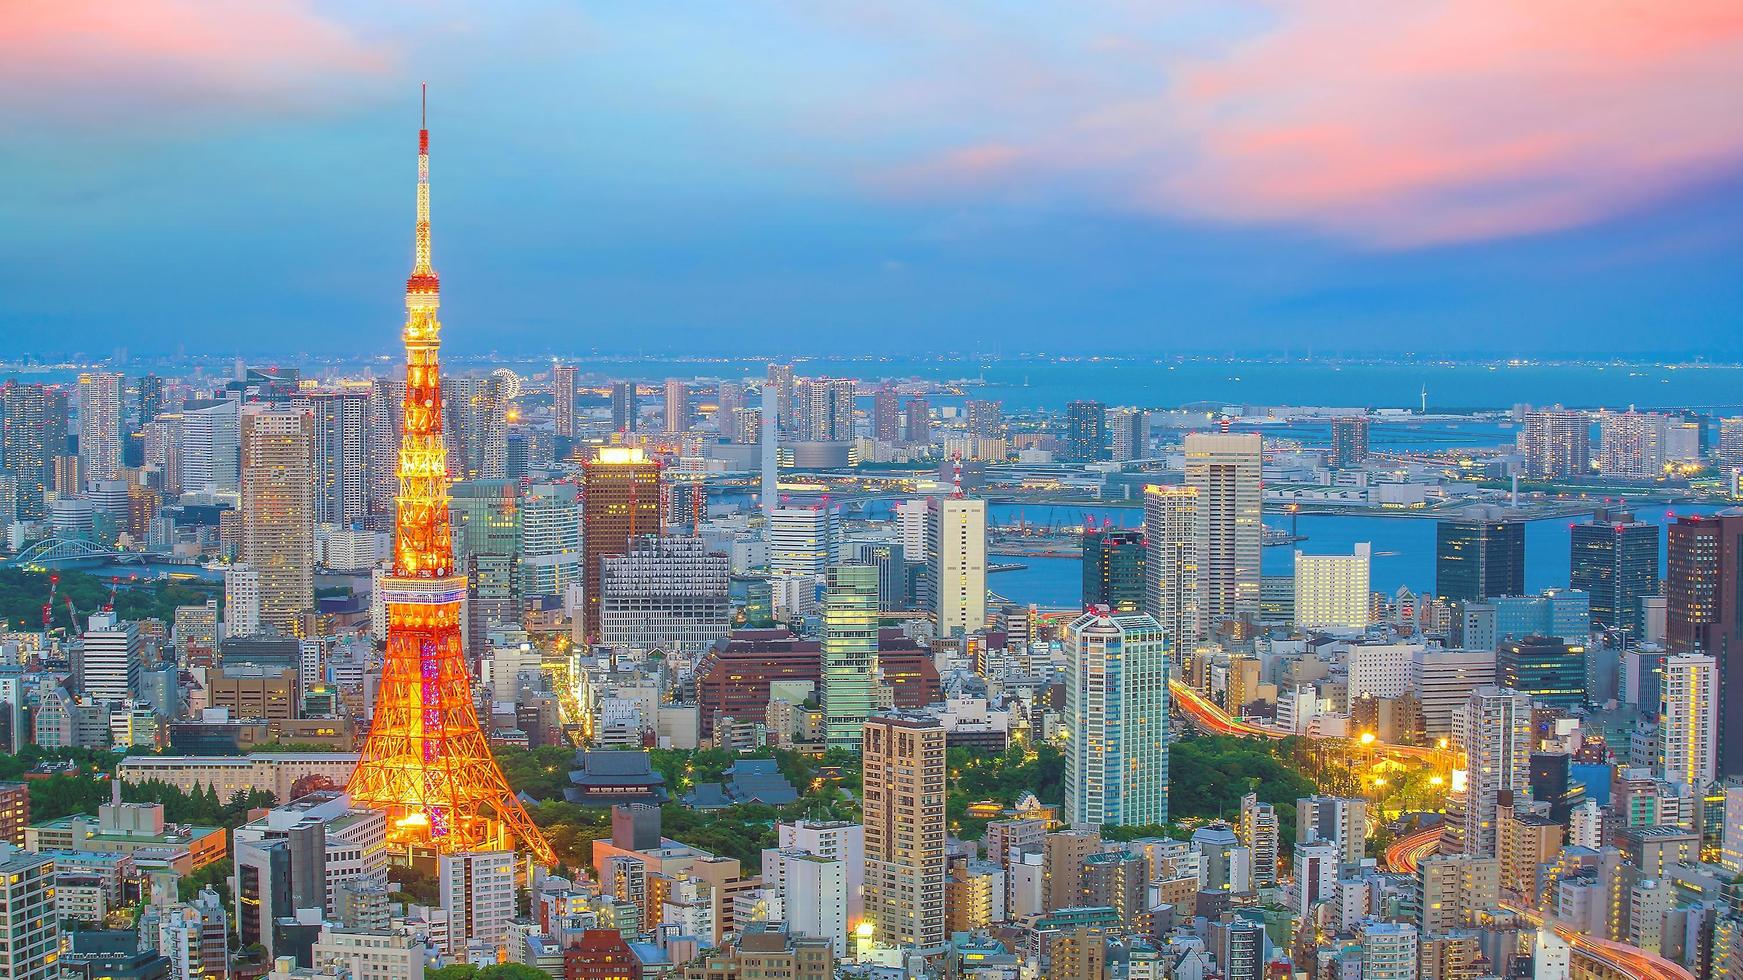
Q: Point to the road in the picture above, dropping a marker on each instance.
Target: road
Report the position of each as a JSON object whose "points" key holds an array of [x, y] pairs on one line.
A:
{"points": [[1209, 718], [1407, 852]]}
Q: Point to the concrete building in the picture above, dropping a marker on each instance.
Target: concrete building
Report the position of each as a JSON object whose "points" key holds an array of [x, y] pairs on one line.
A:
{"points": [[1493, 730], [1225, 470], [1688, 726], [1557, 443], [27, 913], [1171, 564], [1116, 711], [99, 425], [278, 512], [1331, 591], [956, 558], [665, 593], [903, 806]]}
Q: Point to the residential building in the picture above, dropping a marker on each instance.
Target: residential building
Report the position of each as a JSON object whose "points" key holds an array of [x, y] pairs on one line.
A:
{"points": [[1171, 571], [278, 512], [1557, 443], [1331, 591], [1116, 713], [1225, 470], [956, 558], [903, 808]]}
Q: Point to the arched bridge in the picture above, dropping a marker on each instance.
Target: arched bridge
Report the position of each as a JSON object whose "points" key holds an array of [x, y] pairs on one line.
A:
{"points": [[67, 551]]}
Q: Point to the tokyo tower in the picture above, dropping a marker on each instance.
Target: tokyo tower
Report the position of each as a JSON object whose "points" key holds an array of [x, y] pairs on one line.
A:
{"points": [[426, 761]]}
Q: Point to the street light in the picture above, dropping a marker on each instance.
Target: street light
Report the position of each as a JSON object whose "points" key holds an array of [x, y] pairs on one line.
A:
{"points": [[1367, 738]]}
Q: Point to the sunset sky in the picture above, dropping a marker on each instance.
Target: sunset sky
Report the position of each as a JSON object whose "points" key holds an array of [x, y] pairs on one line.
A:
{"points": [[1450, 175]]}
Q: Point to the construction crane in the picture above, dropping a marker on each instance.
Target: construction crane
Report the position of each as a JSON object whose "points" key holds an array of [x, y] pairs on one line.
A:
{"points": [[54, 581]]}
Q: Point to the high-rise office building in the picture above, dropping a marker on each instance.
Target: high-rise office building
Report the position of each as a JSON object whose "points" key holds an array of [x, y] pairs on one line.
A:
{"points": [[1171, 564], [850, 652], [487, 546], [341, 454], [1688, 724], [625, 411], [620, 499], [1331, 591], [804, 539], [1614, 560], [956, 560], [33, 431], [563, 399], [891, 561], [278, 512], [1557, 443], [917, 421], [550, 540], [1114, 568], [1086, 432], [1479, 557], [664, 593], [1128, 434], [1349, 441], [903, 806], [1632, 444], [99, 425], [211, 445], [1116, 710], [825, 407], [1551, 671], [1493, 730], [110, 659], [677, 411], [1224, 469], [386, 422], [886, 413]]}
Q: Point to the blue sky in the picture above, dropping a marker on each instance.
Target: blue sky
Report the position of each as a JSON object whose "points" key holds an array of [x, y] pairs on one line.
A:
{"points": [[1233, 176]]}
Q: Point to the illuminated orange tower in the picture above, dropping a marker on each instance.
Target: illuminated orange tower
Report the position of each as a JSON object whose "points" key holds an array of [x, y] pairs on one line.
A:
{"points": [[426, 761]]}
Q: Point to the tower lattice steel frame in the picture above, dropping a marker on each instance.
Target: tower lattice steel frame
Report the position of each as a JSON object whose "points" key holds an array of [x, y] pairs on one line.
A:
{"points": [[426, 761]]}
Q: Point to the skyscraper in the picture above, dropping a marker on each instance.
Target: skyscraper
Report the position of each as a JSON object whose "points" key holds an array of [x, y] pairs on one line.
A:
{"points": [[1632, 444], [426, 763], [903, 812], [486, 517], [1224, 469], [341, 454], [623, 406], [475, 423], [550, 540], [1128, 434], [1171, 564], [917, 421], [804, 539], [1114, 568], [99, 425], [1493, 730], [956, 559], [1614, 560], [1478, 557], [1349, 441], [1693, 586], [1557, 443], [620, 499], [781, 377], [677, 416], [850, 652], [150, 397], [1116, 710], [825, 407], [1551, 671], [33, 431], [985, 417], [211, 445], [886, 414], [278, 512], [563, 399], [1086, 432], [1688, 725]]}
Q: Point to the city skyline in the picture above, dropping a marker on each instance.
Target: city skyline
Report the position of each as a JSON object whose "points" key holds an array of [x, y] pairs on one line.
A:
{"points": [[1206, 177]]}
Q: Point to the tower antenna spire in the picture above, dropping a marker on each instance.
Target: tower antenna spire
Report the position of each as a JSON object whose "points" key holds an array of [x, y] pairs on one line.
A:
{"points": [[424, 105]]}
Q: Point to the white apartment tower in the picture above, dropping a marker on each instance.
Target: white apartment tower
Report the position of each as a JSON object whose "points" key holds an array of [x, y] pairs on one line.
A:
{"points": [[956, 557], [1225, 470]]}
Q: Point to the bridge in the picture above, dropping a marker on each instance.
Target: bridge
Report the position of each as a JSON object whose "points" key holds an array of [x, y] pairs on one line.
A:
{"points": [[61, 552]]}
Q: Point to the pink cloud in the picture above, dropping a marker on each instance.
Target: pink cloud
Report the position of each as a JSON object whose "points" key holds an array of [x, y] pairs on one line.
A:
{"points": [[1402, 124], [103, 58]]}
